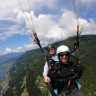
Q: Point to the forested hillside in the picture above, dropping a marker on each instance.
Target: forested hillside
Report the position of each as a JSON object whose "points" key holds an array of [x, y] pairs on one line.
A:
{"points": [[26, 74]]}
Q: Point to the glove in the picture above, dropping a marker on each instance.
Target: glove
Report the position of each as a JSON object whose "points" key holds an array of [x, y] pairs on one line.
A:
{"points": [[78, 68]]}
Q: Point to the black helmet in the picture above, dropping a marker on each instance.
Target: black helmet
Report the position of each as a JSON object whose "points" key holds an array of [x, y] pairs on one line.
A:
{"points": [[50, 47]]}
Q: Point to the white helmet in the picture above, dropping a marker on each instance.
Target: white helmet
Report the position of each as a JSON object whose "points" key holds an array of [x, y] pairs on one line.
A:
{"points": [[62, 48]]}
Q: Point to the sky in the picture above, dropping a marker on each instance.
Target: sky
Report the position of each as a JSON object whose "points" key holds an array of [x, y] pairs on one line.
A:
{"points": [[52, 20]]}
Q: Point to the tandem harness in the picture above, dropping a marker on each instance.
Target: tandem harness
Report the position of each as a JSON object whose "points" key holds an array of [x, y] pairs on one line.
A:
{"points": [[57, 79]]}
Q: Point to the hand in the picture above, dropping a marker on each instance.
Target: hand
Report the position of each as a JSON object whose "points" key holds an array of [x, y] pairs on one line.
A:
{"points": [[47, 79], [78, 68]]}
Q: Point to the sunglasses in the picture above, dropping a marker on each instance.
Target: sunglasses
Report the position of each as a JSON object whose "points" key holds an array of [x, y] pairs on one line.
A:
{"points": [[50, 49], [61, 55]]}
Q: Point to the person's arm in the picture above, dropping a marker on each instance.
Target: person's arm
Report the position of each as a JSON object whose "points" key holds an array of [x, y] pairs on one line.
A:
{"points": [[46, 69], [45, 73], [78, 72]]}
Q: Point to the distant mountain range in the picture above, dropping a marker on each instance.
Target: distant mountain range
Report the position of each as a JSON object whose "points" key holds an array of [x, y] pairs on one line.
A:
{"points": [[9, 58], [26, 73]]}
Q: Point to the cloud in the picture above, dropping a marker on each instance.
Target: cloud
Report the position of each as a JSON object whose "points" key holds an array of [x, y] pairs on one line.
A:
{"points": [[21, 49], [88, 27], [49, 27], [8, 50], [88, 1], [9, 28], [46, 31], [50, 31], [7, 6]]}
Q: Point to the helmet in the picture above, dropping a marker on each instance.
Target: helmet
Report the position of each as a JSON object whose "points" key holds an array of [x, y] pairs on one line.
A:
{"points": [[50, 47], [62, 48]]}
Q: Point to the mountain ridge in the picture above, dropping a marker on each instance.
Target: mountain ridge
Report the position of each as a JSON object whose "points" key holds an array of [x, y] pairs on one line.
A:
{"points": [[8, 59], [26, 73]]}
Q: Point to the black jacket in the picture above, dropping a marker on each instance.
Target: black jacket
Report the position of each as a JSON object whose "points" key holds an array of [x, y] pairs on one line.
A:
{"points": [[62, 74]]}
